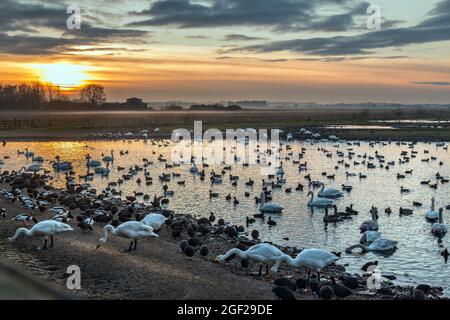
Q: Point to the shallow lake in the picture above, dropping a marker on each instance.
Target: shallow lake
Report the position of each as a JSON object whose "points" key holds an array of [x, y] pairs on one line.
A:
{"points": [[417, 259]]}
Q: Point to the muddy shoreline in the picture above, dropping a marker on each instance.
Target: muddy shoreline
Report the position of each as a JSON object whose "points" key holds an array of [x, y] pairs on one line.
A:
{"points": [[158, 269]]}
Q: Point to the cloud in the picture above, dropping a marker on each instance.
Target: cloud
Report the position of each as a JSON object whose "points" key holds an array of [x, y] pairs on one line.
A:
{"points": [[240, 37], [433, 29], [433, 83], [22, 26], [280, 15]]}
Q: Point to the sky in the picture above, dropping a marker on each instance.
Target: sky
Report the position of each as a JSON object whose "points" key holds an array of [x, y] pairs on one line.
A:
{"points": [[213, 50]]}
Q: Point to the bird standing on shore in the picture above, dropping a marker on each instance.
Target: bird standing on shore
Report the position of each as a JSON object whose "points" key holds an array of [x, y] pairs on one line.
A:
{"points": [[46, 229]]}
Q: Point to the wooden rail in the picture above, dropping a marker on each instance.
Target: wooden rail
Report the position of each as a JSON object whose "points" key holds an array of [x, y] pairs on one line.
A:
{"points": [[16, 124]]}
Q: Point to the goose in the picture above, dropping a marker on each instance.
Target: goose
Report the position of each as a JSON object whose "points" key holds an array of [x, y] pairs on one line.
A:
{"points": [[263, 253], [269, 207], [432, 215], [370, 225], [319, 202], [313, 259], [47, 228], [329, 192], [131, 230], [439, 229], [379, 245], [154, 220], [330, 218], [369, 236], [28, 154]]}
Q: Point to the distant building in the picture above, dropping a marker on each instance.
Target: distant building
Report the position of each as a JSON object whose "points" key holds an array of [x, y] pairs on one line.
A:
{"points": [[134, 103]]}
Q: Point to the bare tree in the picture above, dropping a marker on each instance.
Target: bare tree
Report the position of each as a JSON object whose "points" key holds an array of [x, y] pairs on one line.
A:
{"points": [[93, 94]]}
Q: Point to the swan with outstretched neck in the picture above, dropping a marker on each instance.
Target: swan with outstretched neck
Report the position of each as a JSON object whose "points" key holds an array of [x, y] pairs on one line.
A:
{"points": [[263, 253], [439, 229], [432, 215], [133, 230], [45, 229], [312, 259], [379, 245]]}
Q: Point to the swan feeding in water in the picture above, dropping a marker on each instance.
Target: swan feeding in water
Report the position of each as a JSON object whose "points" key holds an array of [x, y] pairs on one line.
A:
{"points": [[329, 192], [379, 245], [369, 236], [263, 253], [47, 228], [312, 259], [439, 229], [318, 202], [131, 230], [432, 215], [269, 207]]}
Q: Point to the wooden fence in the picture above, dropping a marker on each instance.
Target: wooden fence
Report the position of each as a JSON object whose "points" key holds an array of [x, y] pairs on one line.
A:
{"points": [[16, 124]]}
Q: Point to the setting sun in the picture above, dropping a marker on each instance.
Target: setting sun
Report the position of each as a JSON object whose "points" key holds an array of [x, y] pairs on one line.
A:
{"points": [[65, 75]]}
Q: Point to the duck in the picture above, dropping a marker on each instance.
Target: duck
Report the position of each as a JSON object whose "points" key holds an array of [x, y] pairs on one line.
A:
{"points": [[269, 207], [379, 245], [313, 259], [133, 230], [318, 202], [46, 229], [439, 229], [432, 215], [271, 222], [25, 217], [263, 253]]}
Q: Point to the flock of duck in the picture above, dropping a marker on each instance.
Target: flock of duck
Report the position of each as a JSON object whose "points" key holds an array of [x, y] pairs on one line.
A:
{"points": [[134, 220]]}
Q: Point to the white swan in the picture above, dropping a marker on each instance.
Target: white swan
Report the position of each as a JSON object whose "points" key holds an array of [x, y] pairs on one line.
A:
{"points": [[93, 163], [370, 225], [369, 236], [263, 253], [154, 220], [35, 168], [432, 215], [269, 207], [47, 228], [439, 229], [329, 192], [379, 245], [319, 202], [312, 259], [134, 230], [61, 166], [109, 158]]}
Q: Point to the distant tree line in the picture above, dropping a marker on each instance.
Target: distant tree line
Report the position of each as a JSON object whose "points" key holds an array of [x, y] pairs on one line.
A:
{"points": [[214, 107], [32, 95], [38, 95]]}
